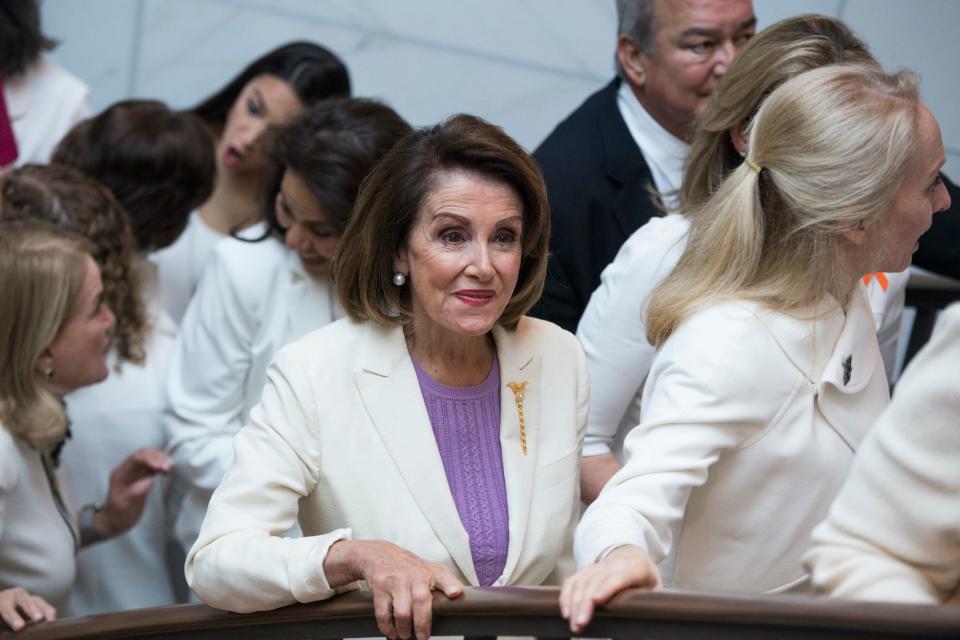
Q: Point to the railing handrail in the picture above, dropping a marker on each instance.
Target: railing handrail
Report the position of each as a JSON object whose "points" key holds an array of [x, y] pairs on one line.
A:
{"points": [[532, 611]]}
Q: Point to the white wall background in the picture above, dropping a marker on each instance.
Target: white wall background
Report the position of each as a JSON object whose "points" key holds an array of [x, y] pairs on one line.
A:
{"points": [[523, 64]]}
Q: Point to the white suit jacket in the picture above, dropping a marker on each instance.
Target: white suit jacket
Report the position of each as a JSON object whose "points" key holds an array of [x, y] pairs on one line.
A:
{"points": [[749, 423], [43, 104], [613, 328], [342, 439], [253, 299], [894, 532]]}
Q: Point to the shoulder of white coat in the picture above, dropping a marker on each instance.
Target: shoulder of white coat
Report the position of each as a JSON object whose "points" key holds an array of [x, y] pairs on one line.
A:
{"points": [[546, 337], [729, 345], [69, 87], [250, 268], [9, 460], [331, 346], [653, 248]]}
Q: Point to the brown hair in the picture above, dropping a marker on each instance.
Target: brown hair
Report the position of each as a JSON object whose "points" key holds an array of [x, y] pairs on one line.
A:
{"points": [[74, 202], [42, 271], [393, 194], [332, 147], [158, 163]]}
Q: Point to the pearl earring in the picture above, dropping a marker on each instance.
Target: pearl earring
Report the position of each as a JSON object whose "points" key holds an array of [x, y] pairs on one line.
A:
{"points": [[399, 279], [48, 374]]}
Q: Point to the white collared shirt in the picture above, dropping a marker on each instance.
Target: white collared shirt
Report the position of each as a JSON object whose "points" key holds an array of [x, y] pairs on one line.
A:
{"points": [[663, 152]]}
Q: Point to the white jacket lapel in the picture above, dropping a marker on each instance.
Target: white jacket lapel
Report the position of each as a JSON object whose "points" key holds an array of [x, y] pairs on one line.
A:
{"points": [[391, 395], [853, 369], [519, 468]]}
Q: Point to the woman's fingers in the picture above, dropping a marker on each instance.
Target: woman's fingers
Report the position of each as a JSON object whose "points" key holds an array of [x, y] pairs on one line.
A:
{"points": [[10, 615], [445, 582], [422, 611], [403, 611], [17, 607], [383, 612], [595, 584]]}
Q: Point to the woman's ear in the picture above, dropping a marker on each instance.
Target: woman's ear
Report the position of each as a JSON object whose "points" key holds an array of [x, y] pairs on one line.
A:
{"points": [[738, 138], [400, 262], [856, 235], [44, 363]]}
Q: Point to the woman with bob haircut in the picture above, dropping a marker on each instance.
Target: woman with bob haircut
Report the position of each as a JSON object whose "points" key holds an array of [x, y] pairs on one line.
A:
{"points": [[768, 373], [258, 296], [55, 332], [431, 438], [612, 329], [273, 89]]}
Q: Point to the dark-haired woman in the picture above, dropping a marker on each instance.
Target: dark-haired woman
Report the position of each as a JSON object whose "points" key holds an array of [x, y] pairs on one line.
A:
{"points": [[432, 439], [274, 89], [258, 296]]}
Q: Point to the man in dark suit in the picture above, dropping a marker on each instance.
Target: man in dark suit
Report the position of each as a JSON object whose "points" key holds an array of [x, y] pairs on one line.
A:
{"points": [[605, 164]]}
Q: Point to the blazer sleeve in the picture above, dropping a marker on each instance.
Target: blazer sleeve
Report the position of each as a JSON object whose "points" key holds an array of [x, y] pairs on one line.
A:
{"points": [[705, 398], [205, 387], [893, 532], [240, 562], [613, 329]]}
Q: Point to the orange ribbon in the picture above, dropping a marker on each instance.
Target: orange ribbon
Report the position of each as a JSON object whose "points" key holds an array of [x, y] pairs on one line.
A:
{"points": [[881, 279]]}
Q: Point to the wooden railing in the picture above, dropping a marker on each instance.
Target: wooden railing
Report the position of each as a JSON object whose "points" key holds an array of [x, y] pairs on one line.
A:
{"points": [[664, 615]]}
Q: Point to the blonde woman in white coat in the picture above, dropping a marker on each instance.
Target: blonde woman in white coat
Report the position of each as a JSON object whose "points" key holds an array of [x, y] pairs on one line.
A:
{"points": [[259, 295], [432, 439], [894, 533], [612, 329], [55, 332], [768, 372]]}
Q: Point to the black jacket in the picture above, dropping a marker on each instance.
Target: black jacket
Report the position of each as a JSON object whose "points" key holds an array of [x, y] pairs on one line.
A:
{"points": [[599, 190]]}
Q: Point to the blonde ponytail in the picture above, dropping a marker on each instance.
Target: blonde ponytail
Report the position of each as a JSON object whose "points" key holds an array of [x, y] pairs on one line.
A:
{"points": [[832, 145]]}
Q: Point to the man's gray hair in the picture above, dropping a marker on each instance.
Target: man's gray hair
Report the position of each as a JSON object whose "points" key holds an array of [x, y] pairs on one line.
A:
{"points": [[636, 19]]}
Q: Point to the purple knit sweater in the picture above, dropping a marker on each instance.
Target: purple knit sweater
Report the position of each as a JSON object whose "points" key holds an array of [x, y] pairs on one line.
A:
{"points": [[466, 424]]}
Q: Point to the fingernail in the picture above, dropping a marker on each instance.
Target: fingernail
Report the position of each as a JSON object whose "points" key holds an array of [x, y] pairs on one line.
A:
{"points": [[581, 619], [17, 624], [37, 617]]}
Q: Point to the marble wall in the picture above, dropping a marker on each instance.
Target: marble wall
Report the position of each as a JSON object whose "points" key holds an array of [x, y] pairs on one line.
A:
{"points": [[523, 64]]}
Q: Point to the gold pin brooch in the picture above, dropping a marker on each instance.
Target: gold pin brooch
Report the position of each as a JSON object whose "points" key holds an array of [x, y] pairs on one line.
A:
{"points": [[517, 388]]}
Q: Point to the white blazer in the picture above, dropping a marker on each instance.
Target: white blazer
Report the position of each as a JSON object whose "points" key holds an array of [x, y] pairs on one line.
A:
{"points": [[613, 328], [342, 439], [253, 299], [43, 104], [749, 423], [894, 532]]}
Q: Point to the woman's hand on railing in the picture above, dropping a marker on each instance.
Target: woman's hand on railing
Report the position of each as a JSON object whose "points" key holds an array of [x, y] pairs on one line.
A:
{"points": [[401, 582], [16, 603], [624, 567]]}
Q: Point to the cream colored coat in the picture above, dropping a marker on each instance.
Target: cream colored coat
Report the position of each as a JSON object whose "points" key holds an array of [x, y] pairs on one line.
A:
{"points": [[747, 430], [254, 299], [342, 439], [894, 532]]}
